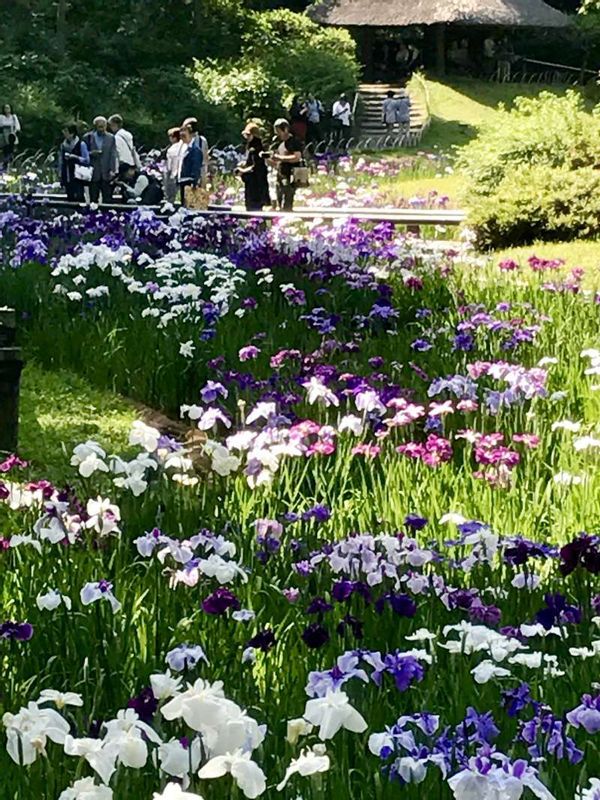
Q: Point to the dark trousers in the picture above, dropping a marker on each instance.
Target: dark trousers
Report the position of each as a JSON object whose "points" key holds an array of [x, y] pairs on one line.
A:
{"points": [[74, 191], [8, 153], [101, 187], [285, 194]]}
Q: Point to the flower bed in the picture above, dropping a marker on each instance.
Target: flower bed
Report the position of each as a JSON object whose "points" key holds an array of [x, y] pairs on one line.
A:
{"points": [[372, 564]]}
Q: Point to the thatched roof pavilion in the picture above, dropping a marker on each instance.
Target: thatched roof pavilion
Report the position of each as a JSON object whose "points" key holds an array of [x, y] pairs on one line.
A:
{"points": [[363, 14]]}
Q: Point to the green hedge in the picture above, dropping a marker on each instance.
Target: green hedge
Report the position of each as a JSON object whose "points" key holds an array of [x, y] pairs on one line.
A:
{"points": [[534, 172]]}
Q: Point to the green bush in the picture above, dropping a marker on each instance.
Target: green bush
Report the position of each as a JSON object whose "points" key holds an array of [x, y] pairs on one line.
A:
{"points": [[532, 173], [539, 202]]}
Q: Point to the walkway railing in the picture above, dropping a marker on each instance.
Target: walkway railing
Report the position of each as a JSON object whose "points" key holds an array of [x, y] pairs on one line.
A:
{"points": [[412, 218]]}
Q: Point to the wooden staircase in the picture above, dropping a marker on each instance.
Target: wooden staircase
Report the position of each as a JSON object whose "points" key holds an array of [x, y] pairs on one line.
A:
{"points": [[372, 129]]}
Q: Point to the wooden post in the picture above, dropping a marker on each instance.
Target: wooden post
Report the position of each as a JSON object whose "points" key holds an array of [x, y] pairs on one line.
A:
{"points": [[440, 48], [10, 378], [365, 38]]}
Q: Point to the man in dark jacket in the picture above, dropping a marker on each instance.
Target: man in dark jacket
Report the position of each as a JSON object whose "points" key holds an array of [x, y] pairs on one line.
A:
{"points": [[191, 165], [103, 158]]}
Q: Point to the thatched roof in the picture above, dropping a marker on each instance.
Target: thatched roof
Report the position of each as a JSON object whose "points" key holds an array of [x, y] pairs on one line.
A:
{"points": [[399, 13]]}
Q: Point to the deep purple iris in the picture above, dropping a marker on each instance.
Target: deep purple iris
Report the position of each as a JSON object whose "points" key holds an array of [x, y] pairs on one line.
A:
{"points": [[264, 640], [219, 601], [144, 704], [355, 625], [318, 606], [557, 611], [515, 700], [584, 552], [315, 635]]}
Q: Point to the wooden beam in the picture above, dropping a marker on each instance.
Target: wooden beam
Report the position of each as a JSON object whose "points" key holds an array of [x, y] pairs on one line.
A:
{"points": [[10, 378], [439, 32]]}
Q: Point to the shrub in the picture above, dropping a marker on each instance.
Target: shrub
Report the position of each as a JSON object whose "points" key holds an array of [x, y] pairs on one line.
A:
{"points": [[526, 169], [540, 202], [247, 89]]}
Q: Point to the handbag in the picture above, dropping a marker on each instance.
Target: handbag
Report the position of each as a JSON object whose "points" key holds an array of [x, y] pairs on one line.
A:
{"points": [[83, 173], [300, 177], [196, 198]]}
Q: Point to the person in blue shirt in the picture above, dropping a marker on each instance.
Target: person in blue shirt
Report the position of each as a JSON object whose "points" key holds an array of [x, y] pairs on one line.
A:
{"points": [[191, 164], [73, 151]]}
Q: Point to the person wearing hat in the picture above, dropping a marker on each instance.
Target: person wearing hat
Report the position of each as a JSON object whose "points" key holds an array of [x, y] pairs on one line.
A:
{"points": [[254, 170]]}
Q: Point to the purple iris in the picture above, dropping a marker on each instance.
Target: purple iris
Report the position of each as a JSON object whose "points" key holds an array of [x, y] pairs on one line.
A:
{"points": [[144, 704], [401, 604], [18, 631], [264, 640], [315, 635], [219, 601], [515, 700], [584, 552], [586, 715], [415, 522]]}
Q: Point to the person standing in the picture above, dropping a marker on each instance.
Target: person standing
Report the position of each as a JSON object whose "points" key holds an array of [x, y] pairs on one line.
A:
{"points": [[104, 160], [126, 152], [402, 112], [389, 112], [73, 151], [341, 117], [254, 171], [203, 143], [298, 118], [173, 159], [10, 128], [287, 155], [190, 173], [314, 111]]}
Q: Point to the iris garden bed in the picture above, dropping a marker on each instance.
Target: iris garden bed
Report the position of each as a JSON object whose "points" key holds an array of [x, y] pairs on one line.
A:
{"points": [[382, 541]]}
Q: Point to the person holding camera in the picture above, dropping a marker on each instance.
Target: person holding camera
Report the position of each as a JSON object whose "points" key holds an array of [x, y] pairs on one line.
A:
{"points": [[286, 156]]}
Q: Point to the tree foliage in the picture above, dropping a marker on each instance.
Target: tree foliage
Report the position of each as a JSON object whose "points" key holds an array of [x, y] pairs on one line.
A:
{"points": [[157, 61]]}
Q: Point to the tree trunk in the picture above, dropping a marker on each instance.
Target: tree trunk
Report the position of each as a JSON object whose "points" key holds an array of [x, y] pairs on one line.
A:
{"points": [[62, 7]]}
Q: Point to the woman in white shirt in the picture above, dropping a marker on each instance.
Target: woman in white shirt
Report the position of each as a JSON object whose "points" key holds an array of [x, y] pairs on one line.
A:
{"points": [[9, 134], [173, 158]]}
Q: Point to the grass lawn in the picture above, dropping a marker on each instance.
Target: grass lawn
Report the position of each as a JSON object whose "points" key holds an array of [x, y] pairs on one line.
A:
{"points": [[580, 253], [60, 410], [460, 106]]}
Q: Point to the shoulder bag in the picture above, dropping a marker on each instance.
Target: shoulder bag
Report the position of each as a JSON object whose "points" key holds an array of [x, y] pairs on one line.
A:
{"points": [[196, 198], [83, 173]]}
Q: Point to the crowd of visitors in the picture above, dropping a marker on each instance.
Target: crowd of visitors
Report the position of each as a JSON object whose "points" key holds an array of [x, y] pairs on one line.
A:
{"points": [[104, 165]]}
